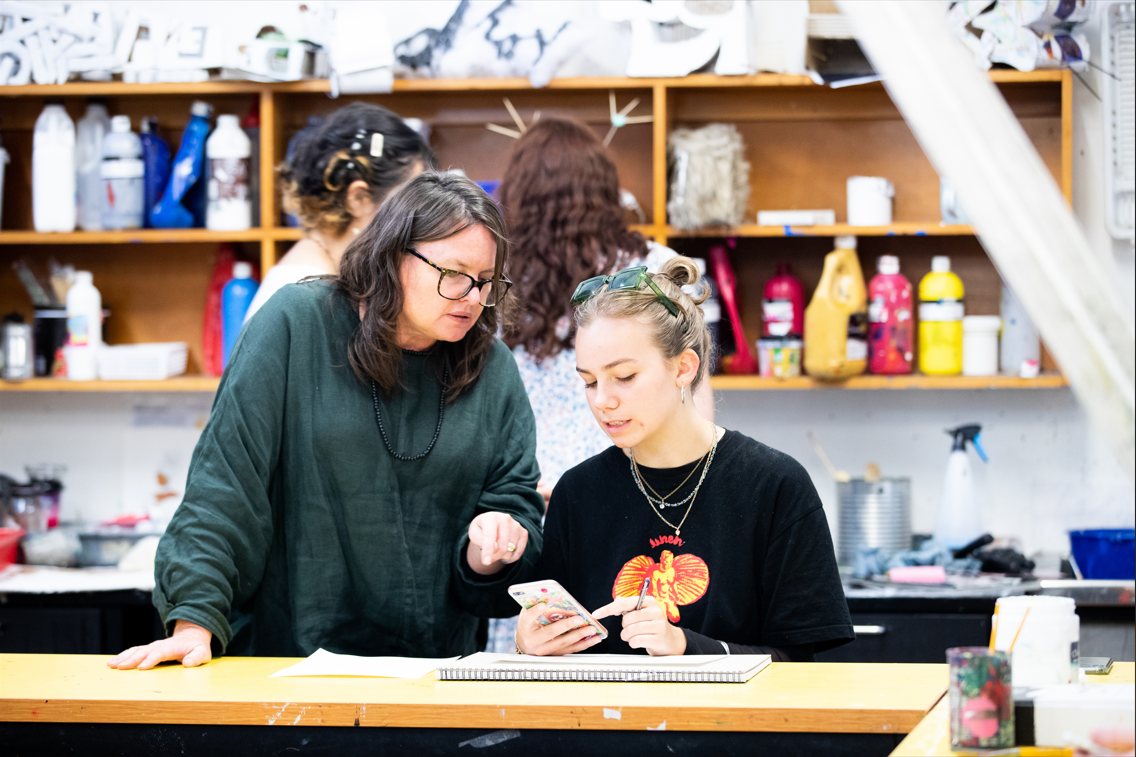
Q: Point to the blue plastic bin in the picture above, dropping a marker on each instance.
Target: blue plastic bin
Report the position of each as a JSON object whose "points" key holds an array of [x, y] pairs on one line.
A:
{"points": [[1105, 552]]}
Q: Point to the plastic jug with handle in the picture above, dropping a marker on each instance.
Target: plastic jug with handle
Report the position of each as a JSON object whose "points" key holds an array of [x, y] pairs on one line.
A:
{"points": [[836, 320]]}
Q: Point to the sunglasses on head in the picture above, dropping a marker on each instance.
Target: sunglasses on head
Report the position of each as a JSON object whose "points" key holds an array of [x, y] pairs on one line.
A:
{"points": [[629, 278]]}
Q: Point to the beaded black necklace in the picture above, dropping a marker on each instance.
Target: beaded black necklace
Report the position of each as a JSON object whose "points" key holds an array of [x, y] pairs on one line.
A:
{"points": [[437, 429]]}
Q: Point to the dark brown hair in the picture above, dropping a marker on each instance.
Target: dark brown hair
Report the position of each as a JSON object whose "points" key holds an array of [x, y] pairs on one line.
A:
{"points": [[430, 207], [561, 200], [316, 178]]}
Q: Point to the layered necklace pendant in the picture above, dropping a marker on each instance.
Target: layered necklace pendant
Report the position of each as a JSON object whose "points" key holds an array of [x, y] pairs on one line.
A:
{"points": [[658, 503]]}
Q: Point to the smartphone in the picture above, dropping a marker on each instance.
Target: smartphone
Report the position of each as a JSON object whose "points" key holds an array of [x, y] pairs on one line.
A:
{"points": [[560, 603]]}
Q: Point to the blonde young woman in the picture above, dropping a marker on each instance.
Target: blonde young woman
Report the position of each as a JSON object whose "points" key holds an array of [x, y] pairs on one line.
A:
{"points": [[730, 532]]}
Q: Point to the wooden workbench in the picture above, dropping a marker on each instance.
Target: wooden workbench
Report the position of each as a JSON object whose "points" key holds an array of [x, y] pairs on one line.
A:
{"points": [[71, 700], [932, 737]]}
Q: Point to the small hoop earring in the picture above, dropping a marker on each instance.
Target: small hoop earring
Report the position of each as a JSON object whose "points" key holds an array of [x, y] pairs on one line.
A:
{"points": [[682, 393]]}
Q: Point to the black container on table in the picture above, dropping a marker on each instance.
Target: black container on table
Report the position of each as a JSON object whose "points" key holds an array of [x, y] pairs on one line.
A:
{"points": [[49, 331]]}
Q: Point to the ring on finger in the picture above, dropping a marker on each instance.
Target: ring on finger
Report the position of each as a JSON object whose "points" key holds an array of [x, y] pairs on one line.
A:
{"points": [[511, 547]]}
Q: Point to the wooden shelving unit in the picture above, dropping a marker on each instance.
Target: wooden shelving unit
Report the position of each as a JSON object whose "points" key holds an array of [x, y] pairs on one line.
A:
{"points": [[175, 384], [1044, 381], [802, 141]]}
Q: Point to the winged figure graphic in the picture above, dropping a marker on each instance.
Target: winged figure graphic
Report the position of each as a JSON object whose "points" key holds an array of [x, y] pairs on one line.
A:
{"points": [[675, 581]]}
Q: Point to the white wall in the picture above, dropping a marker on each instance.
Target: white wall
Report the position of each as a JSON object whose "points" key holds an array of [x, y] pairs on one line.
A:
{"points": [[1048, 471]]}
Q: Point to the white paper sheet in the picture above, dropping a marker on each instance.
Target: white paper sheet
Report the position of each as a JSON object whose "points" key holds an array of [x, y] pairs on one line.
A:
{"points": [[38, 579], [324, 663]]}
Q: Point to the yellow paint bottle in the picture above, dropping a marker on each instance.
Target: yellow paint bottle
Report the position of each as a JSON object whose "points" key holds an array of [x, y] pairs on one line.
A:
{"points": [[836, 320], [940, 320]]}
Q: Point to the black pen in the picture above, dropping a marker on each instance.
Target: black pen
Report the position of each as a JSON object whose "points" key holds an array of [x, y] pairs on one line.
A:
{"points": [[642, 594]]}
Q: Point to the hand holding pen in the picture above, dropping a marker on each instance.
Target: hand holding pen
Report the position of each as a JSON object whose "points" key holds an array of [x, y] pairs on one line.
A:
{"points": [[645, 624]]}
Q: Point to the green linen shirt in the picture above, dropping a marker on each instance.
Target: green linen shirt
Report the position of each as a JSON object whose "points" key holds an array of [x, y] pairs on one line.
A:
{"points": [[299, 530]]}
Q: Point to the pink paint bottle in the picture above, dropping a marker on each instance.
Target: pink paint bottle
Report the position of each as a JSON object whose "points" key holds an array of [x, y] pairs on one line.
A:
{"points": [[891, 330], [783, 305]]}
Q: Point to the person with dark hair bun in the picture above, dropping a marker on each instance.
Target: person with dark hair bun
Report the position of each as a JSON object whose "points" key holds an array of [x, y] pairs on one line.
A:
{"points": [[335, 182], [366, 483]]}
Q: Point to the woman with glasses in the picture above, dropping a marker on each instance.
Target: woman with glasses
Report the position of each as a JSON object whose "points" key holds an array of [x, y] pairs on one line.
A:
{"points": [[728, 533], [366, 483]]}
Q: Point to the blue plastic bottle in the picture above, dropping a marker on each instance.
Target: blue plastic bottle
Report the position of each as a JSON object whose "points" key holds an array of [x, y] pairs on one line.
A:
{"points": [[156, 158], [186, 176], [235, 301]]}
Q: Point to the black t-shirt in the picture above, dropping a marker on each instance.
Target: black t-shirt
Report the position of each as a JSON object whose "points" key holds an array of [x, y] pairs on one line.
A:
{"points": [[752, 565]]}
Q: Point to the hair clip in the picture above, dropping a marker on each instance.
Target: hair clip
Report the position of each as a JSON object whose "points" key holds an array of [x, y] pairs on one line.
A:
{"points": [[377, 144]]}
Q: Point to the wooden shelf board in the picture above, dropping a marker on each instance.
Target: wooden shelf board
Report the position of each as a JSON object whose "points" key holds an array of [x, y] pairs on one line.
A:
{"points": [[1045, 381], [175, 384], [139, 236], [726, 383], [932, 228], [114, 88], [79, 89]]}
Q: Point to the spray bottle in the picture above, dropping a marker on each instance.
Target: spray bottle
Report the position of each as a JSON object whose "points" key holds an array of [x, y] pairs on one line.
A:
{"points": [[959, 521]]}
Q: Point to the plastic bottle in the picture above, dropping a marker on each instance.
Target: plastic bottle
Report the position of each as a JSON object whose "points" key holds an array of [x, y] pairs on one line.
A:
{"points": [[836, 320], [90, 131], [940, 320], [783, 304], [1019, 338], [250, 125], [959, 520], [235, 300], [84, 328], [176, 208], [156, 160], [122, 172], [228, 148], [711, 314], [890, 332], [53, 170]]}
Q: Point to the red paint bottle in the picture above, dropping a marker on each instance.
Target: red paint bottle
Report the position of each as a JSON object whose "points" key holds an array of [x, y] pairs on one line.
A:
{"points": [[783, 305], [891, 331]]}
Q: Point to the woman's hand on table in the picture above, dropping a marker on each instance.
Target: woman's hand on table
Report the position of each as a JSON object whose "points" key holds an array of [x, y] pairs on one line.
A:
{"points": [[189, 645], [647, 628], [495, 539], [563, 636]]}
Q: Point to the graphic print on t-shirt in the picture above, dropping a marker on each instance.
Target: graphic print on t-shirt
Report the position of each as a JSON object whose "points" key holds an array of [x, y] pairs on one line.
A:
{"points": [[675, 580]]}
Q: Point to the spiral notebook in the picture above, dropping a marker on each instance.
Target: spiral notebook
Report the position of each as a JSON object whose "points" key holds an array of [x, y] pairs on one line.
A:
{"points": [[484, 666]]}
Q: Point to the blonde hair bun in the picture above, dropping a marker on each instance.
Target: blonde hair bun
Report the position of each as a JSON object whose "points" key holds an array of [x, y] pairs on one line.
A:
{"points": [[683, 271]]}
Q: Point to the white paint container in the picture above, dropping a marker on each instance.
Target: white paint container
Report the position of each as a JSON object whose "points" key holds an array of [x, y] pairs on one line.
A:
{"points": [[869, 201], [980, 345], [1048, 647]]}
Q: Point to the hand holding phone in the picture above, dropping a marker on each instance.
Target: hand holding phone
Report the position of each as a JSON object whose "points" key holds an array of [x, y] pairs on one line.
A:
{"points": [[553, 622]]}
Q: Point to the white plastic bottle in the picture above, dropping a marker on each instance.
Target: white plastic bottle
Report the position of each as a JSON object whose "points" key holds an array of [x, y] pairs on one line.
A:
{"points": [[90, 131], [227, 150], [959, 520], [53, 170], [1019, 338], [84, 328], [122, 172]]}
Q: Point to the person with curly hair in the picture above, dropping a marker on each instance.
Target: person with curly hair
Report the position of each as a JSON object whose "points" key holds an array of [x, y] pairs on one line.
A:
{"points": [[335, 182]]}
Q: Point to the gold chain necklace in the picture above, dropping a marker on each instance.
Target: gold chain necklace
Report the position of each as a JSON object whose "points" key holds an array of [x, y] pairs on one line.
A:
{"points": [[660, 496]]}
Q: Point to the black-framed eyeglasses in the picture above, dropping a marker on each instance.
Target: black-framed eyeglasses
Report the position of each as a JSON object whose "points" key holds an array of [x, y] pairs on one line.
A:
{"points": [[455, 285], [629, 278]]}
